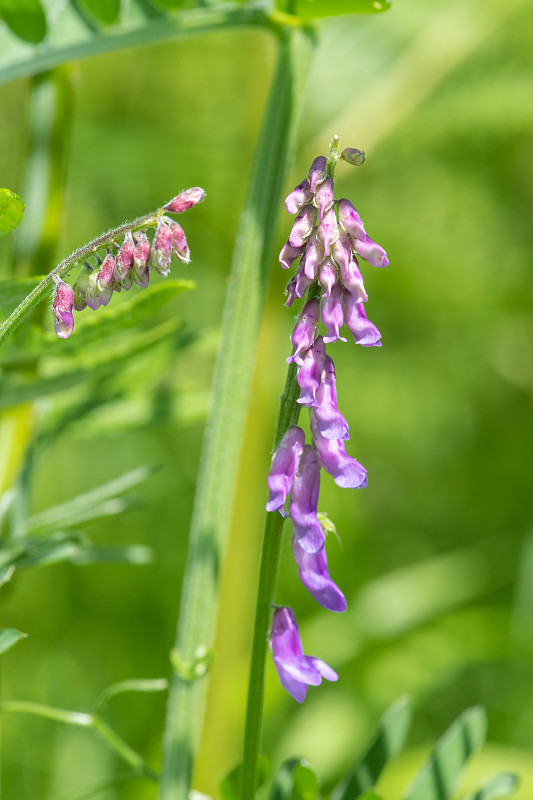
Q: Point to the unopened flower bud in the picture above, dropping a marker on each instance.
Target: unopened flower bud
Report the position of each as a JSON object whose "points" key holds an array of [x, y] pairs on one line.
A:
{"points": [[162, 248], [299, 196], [124, 259], [318, 172], [62, 306], [141, 259], [81, 286], [106, 279], [353, 156], [180, 248], [185, 200]]}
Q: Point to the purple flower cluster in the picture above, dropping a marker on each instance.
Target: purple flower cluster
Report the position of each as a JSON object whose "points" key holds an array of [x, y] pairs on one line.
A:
{"points": [[327, 238], [125, 264]]}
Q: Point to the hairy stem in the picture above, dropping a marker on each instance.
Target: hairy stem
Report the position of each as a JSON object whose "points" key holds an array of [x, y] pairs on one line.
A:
{"points": [[289, 412], [223, 437]]}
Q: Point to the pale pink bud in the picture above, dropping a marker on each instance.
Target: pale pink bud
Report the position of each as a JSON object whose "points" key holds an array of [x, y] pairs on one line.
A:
{"points": [[303, 226], [124, 261], [318, 172], [371, 252], [289, 254], [162, 248], [324, 197], [62, 305], [101, 283], [185, 200], [299, 196], [350, 219], [328, 230], [141, 259], [180, 248]]}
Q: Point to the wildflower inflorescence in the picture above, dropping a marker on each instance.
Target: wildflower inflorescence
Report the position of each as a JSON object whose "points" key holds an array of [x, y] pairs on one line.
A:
{"points": [[327, 238], [127, 260]]}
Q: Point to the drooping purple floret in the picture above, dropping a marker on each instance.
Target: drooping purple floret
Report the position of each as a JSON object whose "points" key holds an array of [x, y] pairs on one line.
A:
{"points": [[324, 197], [285, 463], [350, 219], [333, 314], [327, 275], [314, 255], [303, 503], [371, 252], [296, 671], [303, 226], [62, 306], [310, 372], [303, 334], [328, 230], [363, 330], [345, 470], [352, 280], [314, 574], [329, 420], [317, 172], [289, 254], [299, 197]]}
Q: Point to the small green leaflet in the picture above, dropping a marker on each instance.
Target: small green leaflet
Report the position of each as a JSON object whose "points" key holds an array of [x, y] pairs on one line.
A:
{"points": [[439, 776], [9, 637], [25, 18], [313, 9], [105, 11], [501, 785], [11, 208]]}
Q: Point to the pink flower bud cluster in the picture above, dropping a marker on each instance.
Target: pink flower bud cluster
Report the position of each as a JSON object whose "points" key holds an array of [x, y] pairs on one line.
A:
{"points": [[124, 264], [326, 240]]}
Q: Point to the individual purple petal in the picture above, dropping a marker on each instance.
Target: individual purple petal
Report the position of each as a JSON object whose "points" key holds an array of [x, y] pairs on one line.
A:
{"points": [[364, 332], [328, 230], [162, 248], [302, 281], [289, 254], [62, 306], [327, 275], [180, 248], [185, 200], [350, 219], [352, 280], [303, 334], [285, 463], [330, 422], [124, 260], [296, 671], [310, 372], [314, 574], [333, 315], [303, 503], [290, 291], [303, 226], [345, 470], [299, 196], [314, 253], [371, 252], [141, 259], [324, 197], [317, 172]]}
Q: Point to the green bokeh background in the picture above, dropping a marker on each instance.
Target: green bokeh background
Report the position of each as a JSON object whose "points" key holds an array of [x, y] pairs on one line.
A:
{"points": [[436, 555]]}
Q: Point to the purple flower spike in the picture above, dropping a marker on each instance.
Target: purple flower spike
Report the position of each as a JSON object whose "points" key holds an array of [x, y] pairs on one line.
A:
{"points": [[364, 332], [285, 463], [141, 260], [352, 280], [327, 275], [371, 252], [303, 226], [324, 197], [296, 671], [350, 219], [62, 306], [333, 315], [124, 260], [330, 422], [162, 248], [314, 574], [318, 172], [289, 254], [328, 230], [299, 196], [180, 248], [303, 334], [185, 200], [303, 504], [345, 470], [314, 254], [310, 373]]}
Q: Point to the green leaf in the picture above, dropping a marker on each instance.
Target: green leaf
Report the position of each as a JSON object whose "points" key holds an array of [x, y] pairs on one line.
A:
{"points": [[168, 5], [229, 785], [294, 780], [106, 11], [501, 785], [439, 776], [9, 637], [100, 502], [11, 213], [387, 742], [25, 18], [313, 9]]}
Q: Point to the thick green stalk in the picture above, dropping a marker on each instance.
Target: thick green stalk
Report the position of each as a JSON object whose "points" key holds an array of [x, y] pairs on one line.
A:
{"points": [[224, 434], [288, 415]]}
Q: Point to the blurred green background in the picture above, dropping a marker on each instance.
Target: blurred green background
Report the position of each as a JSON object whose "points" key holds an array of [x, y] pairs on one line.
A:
{"points": [[436, 557]]}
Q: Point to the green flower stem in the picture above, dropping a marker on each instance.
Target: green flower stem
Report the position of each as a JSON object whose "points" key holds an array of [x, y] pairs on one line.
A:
{"points": [[92, 721], [35, 297], [224, 434], [289, 412]]}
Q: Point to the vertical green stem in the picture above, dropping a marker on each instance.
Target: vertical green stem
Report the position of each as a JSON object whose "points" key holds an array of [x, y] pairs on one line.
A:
{"points": [[223, 437], [288, 415]]}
